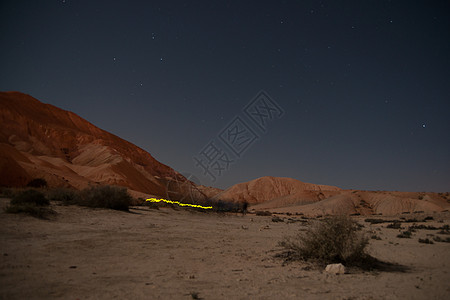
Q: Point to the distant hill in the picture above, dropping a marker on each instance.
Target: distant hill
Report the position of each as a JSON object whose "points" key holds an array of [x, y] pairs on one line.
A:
{"points": [[269, 188], [288, 195]]}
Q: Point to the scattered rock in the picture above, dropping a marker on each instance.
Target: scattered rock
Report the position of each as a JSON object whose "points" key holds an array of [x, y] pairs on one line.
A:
{"points": [[335, 269], [264, 227]]}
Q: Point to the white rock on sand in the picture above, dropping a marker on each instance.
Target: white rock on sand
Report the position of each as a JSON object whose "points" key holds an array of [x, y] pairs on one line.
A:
{"points": [[335, 269]]}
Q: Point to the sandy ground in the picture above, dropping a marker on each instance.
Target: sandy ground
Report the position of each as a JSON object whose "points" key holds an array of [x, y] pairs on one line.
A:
{"points": [[89, 253]]}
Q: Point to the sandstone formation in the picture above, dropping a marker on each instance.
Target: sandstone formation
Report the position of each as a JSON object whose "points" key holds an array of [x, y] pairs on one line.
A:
{"points": [[39, 140], [270, 188]]}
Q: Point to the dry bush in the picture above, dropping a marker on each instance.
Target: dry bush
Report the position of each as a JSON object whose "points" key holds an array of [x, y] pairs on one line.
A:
{"points": [[263, 213], [333, 240], [37, 183], [7, 192], [64, 195], [31, 202], [30, 196], [105, 196]]}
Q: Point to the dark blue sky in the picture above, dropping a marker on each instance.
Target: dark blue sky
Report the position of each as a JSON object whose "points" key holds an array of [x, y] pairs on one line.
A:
{"points": [[364, 85]]}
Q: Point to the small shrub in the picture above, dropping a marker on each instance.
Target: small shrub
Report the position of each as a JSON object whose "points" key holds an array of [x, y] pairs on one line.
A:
{"points": [[263, 213], [378, 221], [375, 237], [151, 205], [442, 240], [30, 197], [444, 232], [6, 192], [33, 210], [414, 220], [37, 183], [333, 240], [277, 219], [31, 202], [404, 235], [194, 295], [426, 241], [421, 226], [65, 195], [224, 206], [395, 225], [112, 197]]}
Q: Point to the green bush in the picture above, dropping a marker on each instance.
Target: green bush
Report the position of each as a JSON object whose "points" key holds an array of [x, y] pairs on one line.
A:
{"points": [[333, 240], [106, 196]]}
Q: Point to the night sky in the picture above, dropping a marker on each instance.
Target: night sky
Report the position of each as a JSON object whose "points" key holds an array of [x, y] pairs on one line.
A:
{"points": [[362, 87]]}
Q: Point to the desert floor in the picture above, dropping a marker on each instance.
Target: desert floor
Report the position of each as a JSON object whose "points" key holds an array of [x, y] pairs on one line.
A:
{"points": [[86, 253]]}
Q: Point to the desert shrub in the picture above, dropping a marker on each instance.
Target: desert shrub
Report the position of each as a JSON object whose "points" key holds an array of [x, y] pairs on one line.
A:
{"points": [[41, 212], [224, 206], [442, 240], [151, 205], [378, 221], [37, 183], [333, 240], [7, 192], [395, 225], [405, 235], [414, 220], [277, 219], [426, 241], [65, 195], [263, 213], [31, 202], [426, 227], [105, 196], [30, 196]]}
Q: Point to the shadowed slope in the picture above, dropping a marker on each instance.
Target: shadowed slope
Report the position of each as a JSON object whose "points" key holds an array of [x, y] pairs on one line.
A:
{"points": [[41, 140]]}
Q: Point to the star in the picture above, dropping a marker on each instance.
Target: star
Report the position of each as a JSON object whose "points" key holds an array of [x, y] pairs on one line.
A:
{"points": [[423, 126]]}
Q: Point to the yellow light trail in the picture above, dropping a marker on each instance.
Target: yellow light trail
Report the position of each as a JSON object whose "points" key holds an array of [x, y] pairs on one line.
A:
{"points": [[176, 202]]}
